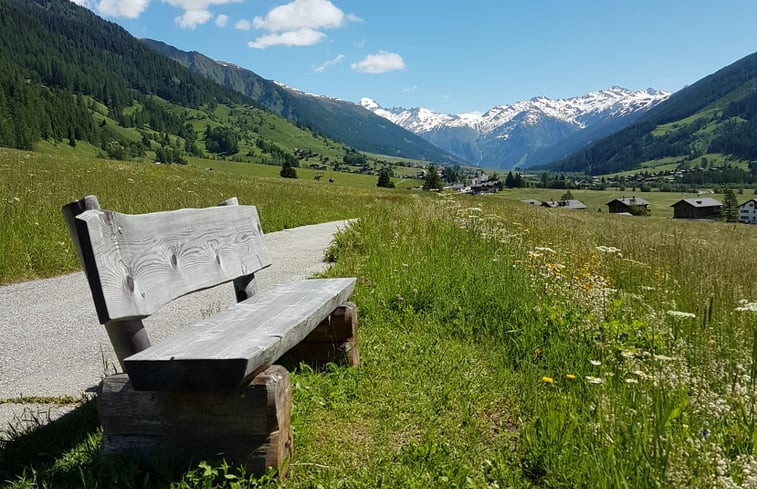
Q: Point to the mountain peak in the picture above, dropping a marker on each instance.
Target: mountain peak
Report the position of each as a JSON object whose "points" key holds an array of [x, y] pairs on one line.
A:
{"points": [[550, 119]]}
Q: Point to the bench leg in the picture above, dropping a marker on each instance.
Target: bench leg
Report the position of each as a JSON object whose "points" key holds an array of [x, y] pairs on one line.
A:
{"points": [[334, 340], [247, 426]]}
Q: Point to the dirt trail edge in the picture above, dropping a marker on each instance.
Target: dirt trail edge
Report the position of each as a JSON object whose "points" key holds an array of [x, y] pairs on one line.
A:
{"points": [[53, 346]]}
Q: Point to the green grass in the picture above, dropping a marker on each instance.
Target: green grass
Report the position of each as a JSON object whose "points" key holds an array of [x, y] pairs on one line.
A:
{"points": [[660, 202], [303, 173], [34, 186], [502, 345]]}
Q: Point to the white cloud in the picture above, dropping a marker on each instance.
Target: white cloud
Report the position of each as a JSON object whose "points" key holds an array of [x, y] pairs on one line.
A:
{"points": [[197, 4], [221, 20], [193, 18], [299, 14], [330, 63], [410, 89], [84, 3], [131, 9], [300, 37], [243, 25], [380, 62]]}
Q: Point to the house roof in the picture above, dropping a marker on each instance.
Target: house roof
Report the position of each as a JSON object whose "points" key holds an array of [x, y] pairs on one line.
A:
{"points": [[569, 204], [630, 201], [699, 202], [748, 201]]}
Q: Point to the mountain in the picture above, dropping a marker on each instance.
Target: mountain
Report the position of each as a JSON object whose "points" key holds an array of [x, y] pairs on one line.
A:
{"points": [[66, 75], [715, 116], [526, 133], [336, 119]]}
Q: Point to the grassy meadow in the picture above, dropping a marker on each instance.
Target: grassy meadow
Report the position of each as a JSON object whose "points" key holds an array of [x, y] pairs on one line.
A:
{"points": [[502, 345]]}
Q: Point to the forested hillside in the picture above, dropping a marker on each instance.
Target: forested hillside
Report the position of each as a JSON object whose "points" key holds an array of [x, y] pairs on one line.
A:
{"points": [[336, 119], [53, 52], [717, 114]]}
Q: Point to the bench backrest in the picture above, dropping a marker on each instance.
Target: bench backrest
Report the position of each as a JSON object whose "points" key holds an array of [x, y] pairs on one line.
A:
{"points": [[137, 263]]}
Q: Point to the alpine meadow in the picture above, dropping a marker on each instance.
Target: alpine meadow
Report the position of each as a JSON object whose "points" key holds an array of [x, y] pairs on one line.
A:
{"points": [[504, 341]]}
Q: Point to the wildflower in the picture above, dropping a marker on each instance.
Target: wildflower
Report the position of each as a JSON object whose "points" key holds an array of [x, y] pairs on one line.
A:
{"points": [[533, 254], [400, 298], [626, 354], [746, 306], [681, 314], [608, 249], [537, 351], [548, 380], [545, 248], [640, 374], [473, 209], [596, 363], [663, 358], [631, 380], [593, 380], [570, 376]]}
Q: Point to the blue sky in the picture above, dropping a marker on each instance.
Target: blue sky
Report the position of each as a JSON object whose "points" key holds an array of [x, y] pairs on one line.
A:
{"points": [[449, 56]]}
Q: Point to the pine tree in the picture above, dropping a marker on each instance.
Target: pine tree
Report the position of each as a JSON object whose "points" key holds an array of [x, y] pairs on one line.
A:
{"points": [[287, 170], [432, 182], [384, 178], [730, 211]]}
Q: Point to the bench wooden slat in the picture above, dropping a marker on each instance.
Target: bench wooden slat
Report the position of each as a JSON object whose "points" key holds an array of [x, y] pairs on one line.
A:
{"points": [[142, 262], [228, 348]]}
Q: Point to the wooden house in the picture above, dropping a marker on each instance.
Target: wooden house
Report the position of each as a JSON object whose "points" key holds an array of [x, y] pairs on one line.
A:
{"points": [[697, 208], [631, 205], [748, 211], [564, 204]]}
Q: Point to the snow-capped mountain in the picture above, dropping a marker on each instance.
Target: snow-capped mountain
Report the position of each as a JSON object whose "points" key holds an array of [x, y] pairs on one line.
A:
{"points": [[526, 133]]}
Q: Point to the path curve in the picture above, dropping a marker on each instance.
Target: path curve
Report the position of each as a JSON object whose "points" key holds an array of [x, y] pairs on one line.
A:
{"points": [[52, 344]]}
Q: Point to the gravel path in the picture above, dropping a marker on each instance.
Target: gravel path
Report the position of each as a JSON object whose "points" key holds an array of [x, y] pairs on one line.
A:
{"points": [[52, 344]]}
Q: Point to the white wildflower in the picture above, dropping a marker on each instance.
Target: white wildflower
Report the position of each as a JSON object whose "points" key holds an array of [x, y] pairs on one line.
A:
{"points": [[681, 314], [596, 363], [746, 306], [631, 380], [608, 249], [593, 380], [545, 248]]}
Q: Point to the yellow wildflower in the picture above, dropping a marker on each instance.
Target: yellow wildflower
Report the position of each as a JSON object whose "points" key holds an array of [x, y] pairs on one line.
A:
{"points": [[548, 380], [570, 376]]}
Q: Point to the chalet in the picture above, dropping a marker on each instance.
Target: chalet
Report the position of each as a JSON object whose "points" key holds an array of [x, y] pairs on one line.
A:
{"points": [[630, 205], [697, 208], [564, 204], [748, 211], [531, 201]]}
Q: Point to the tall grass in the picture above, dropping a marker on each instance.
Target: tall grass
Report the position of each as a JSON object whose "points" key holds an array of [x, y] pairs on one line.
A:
{"points": [[626, 349], [34, 186], [504, 345]]}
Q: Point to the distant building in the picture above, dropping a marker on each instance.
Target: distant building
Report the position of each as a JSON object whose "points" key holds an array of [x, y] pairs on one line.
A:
{"points": [[564, 204], [748, 211], [697, 208], [630, 205], [531, 201]]}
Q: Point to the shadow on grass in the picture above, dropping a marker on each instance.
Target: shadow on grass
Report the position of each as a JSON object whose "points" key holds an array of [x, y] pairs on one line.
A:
{"points": [[38, 450], [65, 453]]}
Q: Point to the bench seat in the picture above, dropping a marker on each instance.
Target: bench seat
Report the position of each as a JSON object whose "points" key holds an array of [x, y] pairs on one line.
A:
{"points": [[227, 349]]}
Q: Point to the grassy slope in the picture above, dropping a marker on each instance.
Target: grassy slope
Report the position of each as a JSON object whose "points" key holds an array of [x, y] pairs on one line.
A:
{"points": [[34, 186], [474, 311]]}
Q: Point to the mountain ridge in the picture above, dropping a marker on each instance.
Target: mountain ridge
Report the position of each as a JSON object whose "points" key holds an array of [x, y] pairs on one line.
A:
{"points": [[507, 135], [334, 118], [715, 115]]}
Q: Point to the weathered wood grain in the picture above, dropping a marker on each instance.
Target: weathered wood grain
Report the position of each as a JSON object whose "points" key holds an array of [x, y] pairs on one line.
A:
{"points": [[144, 261], [226, 349], [334, 340], [247, 426]]}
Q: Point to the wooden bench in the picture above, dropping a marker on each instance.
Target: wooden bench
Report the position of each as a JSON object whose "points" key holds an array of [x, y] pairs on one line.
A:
{"points": [[212, 389]]}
